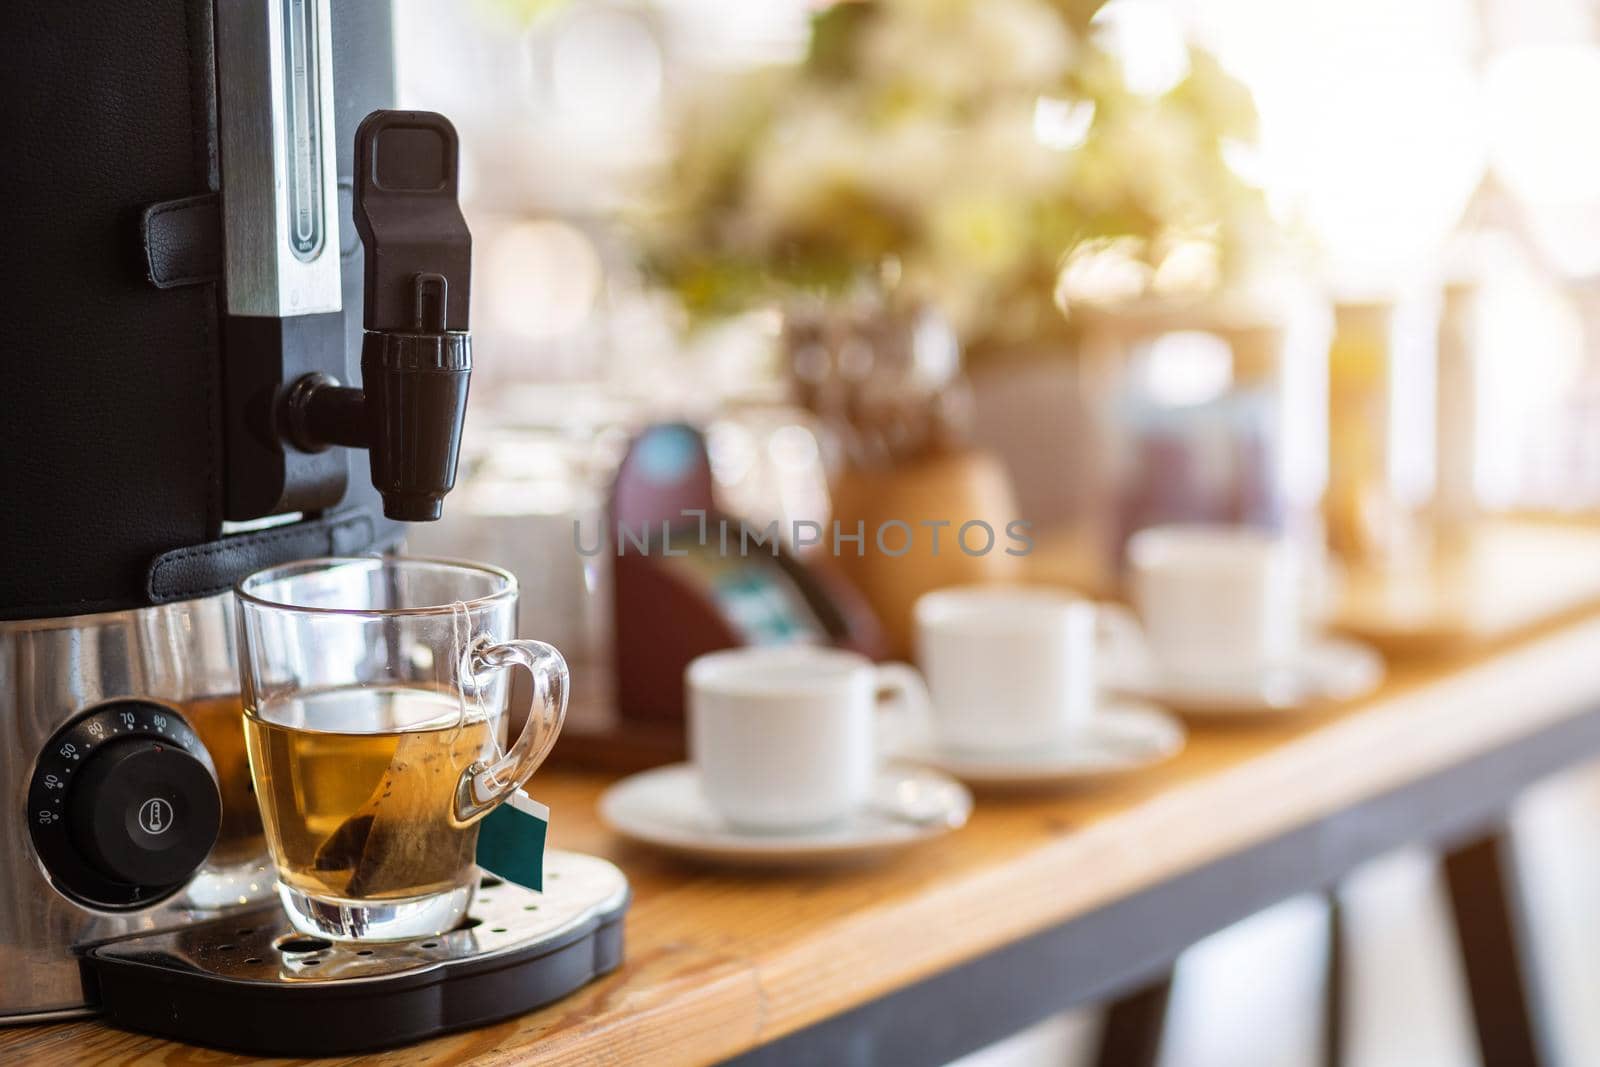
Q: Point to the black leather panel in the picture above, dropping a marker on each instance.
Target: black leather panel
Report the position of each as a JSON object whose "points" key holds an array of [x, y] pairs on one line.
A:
{"points": [[111, 439], [201, 570], [183, 241], [109, 448]]}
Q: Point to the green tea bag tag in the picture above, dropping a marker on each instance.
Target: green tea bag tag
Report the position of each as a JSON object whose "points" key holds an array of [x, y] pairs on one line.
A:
{"points": [[511, 841]]}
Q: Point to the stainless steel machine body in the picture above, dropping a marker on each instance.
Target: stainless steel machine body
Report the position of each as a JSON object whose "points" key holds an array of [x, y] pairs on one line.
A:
{"points": [[178, 655], [237, 319]]}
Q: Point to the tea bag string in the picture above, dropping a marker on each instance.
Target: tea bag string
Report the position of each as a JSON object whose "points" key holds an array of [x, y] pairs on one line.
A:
{"points": [[465, 649]]}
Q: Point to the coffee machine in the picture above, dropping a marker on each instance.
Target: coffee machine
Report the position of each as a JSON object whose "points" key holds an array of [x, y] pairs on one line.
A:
{"points": [[238, 296]]}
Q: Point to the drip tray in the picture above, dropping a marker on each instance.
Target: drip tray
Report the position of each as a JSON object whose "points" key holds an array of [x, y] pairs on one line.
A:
{"points": [[254, 984]]}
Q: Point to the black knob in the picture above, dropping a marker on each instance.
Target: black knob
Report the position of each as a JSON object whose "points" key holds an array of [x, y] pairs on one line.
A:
{"points": [[144, 812]]}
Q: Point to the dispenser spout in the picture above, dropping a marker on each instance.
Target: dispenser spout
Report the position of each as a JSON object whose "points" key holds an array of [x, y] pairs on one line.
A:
{"points": [[416, 353]]}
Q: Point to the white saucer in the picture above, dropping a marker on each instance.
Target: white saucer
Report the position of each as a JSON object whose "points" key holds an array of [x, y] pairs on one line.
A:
{"points": [[1124, 736], [1327, 670], [665, 808]]}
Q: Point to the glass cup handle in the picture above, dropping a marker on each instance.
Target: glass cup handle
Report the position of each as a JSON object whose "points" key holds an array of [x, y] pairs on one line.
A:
{"points": [[483, 785], [912, 714]]}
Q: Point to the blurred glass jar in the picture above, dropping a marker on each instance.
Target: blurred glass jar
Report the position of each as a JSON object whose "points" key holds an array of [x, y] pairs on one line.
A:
{"points": [[1401, 427], [886, 386], [885, 383], [535, 483], [769, 462], [1203, 412], [534, 473], [1359, 516]]}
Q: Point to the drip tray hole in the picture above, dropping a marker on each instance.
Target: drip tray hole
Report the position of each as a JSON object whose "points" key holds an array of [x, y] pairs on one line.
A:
{"points": [[301, 943]]}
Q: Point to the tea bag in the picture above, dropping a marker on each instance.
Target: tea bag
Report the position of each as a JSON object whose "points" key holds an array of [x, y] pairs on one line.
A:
{"points": [[401, 839]]}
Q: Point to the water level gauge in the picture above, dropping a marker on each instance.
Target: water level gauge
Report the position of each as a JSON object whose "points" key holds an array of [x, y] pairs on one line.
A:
{"points": [[303, 136], [279, 168]]}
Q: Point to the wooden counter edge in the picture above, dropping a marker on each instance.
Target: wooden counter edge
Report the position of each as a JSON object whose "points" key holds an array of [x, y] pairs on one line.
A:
{"points": [[1398, 736], [702, 1007]]}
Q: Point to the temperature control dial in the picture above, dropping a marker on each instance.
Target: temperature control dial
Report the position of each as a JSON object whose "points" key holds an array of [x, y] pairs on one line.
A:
{"points": [[124, 804]]}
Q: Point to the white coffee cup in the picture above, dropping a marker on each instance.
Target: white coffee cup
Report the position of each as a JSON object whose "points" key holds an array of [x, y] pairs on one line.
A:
{"points": [[1217, 602], [1008, 667], [786, 738]]}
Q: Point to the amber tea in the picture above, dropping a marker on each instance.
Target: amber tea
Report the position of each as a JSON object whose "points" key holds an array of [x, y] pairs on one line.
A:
{"points": [[358, 787], [219, 722]]}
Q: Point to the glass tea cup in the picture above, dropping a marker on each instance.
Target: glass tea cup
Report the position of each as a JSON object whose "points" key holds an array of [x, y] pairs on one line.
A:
{"points": [[375, 693]]}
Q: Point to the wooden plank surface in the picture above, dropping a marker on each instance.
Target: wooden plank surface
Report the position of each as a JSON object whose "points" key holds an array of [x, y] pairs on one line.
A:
{"points": [[719, 961], [1504, 577]]}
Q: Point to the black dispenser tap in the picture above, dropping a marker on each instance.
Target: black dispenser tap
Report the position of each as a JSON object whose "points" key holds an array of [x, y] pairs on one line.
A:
{"points": [[416, 353]]}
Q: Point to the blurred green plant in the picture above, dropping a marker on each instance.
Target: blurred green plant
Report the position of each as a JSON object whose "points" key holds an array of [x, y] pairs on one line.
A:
{"points": [[989, 156]]}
